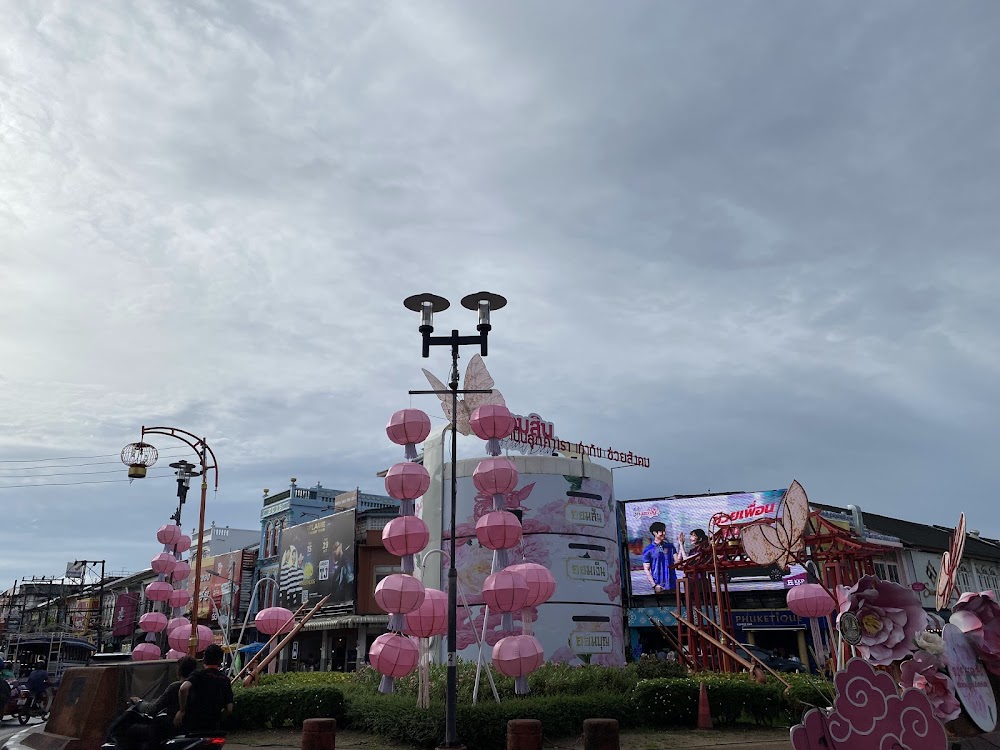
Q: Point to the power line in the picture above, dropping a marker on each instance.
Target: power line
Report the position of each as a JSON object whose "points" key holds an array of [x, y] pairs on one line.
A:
{"points": [[61, 474], [76, 458], [73, 484], [60, 466]]}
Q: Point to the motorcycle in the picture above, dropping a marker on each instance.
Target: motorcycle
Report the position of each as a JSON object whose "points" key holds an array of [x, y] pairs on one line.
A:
{"points": [[132, 716], [28, 707]]}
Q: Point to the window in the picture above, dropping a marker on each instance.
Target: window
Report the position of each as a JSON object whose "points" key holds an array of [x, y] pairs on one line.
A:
{"points": [[383, 571], [267, 539], [963, 579], [989, 577], [887, 570]]}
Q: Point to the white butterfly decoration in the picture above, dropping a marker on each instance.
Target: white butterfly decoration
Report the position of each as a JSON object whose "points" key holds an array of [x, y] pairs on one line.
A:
{"points": [[950, 561], [477, 378], [779, 543]]}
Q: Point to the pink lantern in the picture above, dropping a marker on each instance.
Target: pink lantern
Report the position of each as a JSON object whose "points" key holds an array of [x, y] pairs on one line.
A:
{"points": [[498, 530], [175, 654], [407, 481], [541, 582], [393, 655], [146, 652], [274, 620], [179, 636], [399, 593], [168, 534], [810, 600], [179, 598], [518, 655], [181, 571], [158, 591], [176, 622], [152, 622], [505, 591], [405, 535], [183, 544], [492, 421], [431, 617], [163, 563], [495, 476], [408, 427]]}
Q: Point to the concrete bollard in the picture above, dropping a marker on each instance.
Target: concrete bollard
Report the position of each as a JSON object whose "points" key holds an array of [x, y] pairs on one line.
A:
{"points": [[319, 734], [600, 734], [524, 734]]}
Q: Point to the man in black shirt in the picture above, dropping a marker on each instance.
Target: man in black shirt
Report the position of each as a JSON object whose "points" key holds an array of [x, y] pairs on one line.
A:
{"points": [[149, 735], [204, 696]]}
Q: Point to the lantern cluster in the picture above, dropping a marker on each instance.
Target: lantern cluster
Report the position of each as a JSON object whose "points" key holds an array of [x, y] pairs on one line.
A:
{"points": [[170, 570], [395, 654], [510, 587]]}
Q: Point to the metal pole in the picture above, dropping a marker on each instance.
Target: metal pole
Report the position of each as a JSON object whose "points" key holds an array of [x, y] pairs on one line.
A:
{"points": [[100, 611], [451, 708], [193, 640]]}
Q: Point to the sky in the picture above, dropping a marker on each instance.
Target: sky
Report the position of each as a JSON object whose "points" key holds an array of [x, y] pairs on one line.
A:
{"points": [[754, 242]]}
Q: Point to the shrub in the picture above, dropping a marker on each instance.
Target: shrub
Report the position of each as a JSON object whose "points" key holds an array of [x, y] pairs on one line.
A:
{"points": [[666, 702], [306, 678], [649, 667], [281, 705], [806, 691]]}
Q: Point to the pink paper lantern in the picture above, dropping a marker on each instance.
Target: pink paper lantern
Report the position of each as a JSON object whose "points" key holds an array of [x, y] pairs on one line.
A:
{"points": [[274, 620], [163, 563], [152, 622], [407, 481], [541, 582], [399, 593], [430, 618], [405, 535], [408, 427], [179, 636], [146, 652], [394, 655], [495, 476], [168, 534], [810, 600], [492, 421], [505, 591], [183, 544], [179, 598], [518, 655], [175, 654], [158, 591], [181, 571], [176, 622], [498, 530]]}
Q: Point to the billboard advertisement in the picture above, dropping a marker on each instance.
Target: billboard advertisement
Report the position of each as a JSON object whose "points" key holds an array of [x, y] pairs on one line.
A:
{"points": [[569, 526], [678, 516], [317, 558], [220, 584]]}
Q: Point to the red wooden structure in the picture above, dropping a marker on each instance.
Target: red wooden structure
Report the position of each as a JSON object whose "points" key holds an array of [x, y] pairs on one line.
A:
{"points": [[705, 614]]}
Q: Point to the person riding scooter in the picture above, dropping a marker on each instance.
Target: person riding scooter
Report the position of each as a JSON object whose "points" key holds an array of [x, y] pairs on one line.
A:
{"points": [[38, 685], [148, 735]]}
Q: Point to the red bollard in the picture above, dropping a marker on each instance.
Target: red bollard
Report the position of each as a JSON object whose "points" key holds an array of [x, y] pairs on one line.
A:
{"points": [[524, 734], [319, 734], [704, 710], [600, 734]]}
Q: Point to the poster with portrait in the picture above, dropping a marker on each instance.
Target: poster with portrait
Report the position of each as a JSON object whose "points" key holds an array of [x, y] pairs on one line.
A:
{"points": [[317, 558]]}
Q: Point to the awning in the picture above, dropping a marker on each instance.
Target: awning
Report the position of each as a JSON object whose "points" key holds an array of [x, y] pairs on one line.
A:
{"points": [[252, 648], [345, 621]]}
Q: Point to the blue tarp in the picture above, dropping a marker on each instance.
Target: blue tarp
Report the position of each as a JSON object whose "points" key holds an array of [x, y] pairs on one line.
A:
{"points": [[252, 648]]}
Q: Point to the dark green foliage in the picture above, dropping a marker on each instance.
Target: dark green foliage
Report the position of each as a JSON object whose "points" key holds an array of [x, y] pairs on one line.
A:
{"points": [[285, 705], [649, 667]]}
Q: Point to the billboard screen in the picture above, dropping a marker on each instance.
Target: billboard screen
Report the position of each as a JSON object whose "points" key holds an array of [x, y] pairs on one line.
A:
{"points": [[220, 582], [317, 558], [680, 515]]}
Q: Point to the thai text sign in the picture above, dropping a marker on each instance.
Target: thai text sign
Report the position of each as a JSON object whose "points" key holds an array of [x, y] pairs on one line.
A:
{"points": [[534, 435]]}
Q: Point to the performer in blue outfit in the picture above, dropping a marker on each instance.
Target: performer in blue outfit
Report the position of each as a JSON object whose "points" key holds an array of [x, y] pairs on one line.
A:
{"points": [[658, 559]]}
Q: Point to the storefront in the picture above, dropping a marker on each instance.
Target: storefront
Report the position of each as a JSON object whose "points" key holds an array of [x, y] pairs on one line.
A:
{"points": [[779, 631]]}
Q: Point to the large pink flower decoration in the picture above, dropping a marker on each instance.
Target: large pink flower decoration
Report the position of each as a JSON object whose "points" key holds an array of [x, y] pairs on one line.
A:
{"points": [[924, 672], [978, 616], [890, 616]]}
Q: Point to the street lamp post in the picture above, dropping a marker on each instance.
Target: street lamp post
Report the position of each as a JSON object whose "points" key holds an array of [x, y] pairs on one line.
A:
{"points": [[207, 461], [428, 304]]}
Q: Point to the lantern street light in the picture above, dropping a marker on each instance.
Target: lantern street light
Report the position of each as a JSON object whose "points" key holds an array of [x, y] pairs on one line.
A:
{"points": [[142, 455], [428, 304]]}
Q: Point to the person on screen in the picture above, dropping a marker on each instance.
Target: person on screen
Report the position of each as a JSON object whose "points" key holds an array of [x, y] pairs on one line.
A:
{"points": [[658, 559], [697, 538]]}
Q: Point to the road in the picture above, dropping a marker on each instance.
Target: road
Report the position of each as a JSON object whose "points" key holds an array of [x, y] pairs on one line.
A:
{"points": [[10, 727]]}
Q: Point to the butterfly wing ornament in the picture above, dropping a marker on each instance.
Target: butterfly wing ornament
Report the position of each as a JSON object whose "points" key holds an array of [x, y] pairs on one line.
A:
{"points": [[477, 377], [950, 561], [780, 542]]}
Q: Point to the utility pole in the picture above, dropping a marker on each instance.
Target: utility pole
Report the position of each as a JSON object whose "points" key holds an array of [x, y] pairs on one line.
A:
{"points": [[100, 598]]}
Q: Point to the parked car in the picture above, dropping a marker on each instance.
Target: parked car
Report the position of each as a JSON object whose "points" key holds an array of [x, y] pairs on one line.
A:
{"points": [[777, 663]]}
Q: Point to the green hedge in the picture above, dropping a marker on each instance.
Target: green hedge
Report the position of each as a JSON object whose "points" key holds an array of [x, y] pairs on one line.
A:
{"points": [[285, 705], [306, 678]]}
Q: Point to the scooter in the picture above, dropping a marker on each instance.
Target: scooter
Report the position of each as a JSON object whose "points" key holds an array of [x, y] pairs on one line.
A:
{"points": [[28, 707], [132, 716]]}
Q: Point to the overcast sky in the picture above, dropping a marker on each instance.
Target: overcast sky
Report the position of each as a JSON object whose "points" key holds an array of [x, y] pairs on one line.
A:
{"points": [[753, 241]]}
